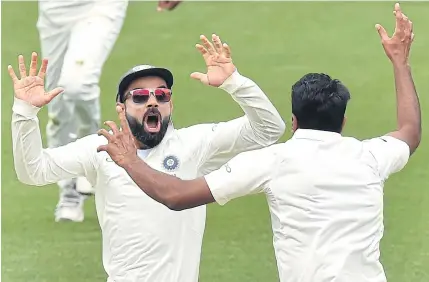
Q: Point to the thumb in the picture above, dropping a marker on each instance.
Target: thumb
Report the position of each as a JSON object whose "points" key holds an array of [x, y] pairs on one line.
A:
{"points": [[53, 93], [200, 76], [382, 32]]}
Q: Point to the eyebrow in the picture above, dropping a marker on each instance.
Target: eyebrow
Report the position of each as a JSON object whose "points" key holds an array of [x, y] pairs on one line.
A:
{"points": [[161, 86]]}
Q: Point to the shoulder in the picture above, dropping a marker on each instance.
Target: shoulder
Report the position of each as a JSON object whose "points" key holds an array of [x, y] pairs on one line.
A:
{"points": [[267, 157], [196, 133], [201, 129], [387, 147], [92, 140], [385, 141], [87, 145]]}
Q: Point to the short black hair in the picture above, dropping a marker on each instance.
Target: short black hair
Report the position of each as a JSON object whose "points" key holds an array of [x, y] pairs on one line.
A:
{"points": [[319, 102]]}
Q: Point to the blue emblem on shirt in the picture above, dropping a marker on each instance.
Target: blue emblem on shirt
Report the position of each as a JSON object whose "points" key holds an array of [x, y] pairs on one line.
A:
{"points": [[171, 163]]}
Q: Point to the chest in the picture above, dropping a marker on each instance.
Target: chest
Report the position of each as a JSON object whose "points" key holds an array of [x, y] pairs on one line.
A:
{"points": [[175, 159], [118, 197]]}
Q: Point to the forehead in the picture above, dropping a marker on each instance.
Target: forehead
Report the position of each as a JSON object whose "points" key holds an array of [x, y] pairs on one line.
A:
{"points": [[147, 82]]}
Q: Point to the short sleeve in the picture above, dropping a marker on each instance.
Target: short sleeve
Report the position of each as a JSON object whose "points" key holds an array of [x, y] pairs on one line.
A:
{"points": [[247, 173], [390, 153]]}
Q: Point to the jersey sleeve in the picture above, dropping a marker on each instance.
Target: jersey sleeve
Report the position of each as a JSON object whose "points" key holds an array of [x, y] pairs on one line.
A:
{"points": [[391, 154], [247, 173], [35, 165], [260, 126]]}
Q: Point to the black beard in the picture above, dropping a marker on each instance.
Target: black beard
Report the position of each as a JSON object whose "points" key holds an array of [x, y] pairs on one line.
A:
{"points": [[148, 139]]}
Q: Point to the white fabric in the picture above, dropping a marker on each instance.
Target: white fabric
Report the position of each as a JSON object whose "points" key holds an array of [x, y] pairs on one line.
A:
{"points": [[76, 37], [325, 194], [142, 239]]}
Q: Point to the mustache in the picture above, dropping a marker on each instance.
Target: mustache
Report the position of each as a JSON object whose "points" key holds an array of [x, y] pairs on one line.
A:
{"points": [[152, 111]]}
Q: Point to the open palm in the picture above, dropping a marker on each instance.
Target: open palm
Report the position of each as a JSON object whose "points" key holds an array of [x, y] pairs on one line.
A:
{"points": [[31, 88], [218, 61], [397, 47]]}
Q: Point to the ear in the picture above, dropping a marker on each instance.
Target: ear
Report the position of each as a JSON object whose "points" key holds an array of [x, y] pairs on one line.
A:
{"points": [[344, 123], [171, 105], [294, 123]]}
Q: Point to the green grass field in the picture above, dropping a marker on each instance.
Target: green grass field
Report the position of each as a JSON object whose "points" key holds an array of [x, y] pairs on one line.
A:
{"points": [[274, 43]]}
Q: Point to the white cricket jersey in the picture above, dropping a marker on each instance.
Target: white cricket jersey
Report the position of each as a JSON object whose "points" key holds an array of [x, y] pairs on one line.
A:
{"points": [[142, 239], [325, 195]]}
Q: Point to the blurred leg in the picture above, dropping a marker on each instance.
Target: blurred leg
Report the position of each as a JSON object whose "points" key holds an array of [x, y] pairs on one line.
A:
{"points": [[91, 41], [61, 129]]}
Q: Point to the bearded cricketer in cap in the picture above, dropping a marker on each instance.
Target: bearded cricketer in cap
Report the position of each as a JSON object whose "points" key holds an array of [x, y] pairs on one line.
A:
{"points": [[142, 239]]}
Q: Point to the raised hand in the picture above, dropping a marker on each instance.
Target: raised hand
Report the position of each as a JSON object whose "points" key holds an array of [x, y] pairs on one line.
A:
{"points": [[31, 88], [398, 46], [121, 143], [218, 61]]}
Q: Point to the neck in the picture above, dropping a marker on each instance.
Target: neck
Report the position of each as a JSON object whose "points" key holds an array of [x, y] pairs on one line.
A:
{"points": [[141, 146]]}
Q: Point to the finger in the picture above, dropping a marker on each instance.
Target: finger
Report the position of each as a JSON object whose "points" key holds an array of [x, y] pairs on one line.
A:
{"points": [[43, 68], [12, 74], [112, 126], [120, 109], [202, 50], [398, 8], [53, 93], [217, 44], [382, 32], [408, 29], [200, 76], [209, 46], [107, 135], [33, 64], [399, 28], [102, 148], [226, 50], [21, 64]]}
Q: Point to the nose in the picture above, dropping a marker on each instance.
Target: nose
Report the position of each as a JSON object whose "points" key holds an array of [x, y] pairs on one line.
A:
{"points": [[152, 102]]}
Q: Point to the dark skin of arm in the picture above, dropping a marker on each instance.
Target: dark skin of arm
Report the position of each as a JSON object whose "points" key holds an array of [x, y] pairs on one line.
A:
{"points": [[173, 192], [397, 48]]}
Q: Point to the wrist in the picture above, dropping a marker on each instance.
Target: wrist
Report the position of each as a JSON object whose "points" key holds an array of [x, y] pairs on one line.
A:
{"points": [[130, 163], [233, 82], [400, 65], [24, 108]]}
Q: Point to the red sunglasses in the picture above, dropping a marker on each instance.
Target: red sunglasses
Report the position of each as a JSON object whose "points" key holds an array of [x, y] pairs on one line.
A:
{"points": [[141, 96]]}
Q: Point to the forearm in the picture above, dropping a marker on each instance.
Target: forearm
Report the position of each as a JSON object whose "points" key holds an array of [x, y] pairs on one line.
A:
{"points": [[172, 192], [35, 165], [27, 145], [408, 107], [161, 187]]}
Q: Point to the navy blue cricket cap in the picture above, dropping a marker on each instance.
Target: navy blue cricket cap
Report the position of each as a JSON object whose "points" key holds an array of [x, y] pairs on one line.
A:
{"points": [[142, 71]]}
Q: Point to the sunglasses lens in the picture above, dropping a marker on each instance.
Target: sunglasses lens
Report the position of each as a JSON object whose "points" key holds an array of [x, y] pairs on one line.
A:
{"points": [[140, 96], [162, 94]]}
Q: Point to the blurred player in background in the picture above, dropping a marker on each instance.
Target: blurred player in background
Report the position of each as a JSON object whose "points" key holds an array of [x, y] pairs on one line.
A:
{"points": [[77, 37]]}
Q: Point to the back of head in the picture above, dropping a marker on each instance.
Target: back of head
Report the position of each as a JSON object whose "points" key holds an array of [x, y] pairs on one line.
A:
{"points": [[319, 102]]}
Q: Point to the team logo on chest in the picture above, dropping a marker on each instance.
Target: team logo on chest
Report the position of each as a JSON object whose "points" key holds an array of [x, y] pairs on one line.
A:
{"points": [[170, 163]]}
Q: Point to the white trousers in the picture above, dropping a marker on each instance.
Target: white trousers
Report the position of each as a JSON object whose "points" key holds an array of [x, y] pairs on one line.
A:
{"points": [[77, 37]]}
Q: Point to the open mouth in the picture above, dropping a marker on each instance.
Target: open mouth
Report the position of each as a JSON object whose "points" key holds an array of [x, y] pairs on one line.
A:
{"points": [[152, 122]]}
